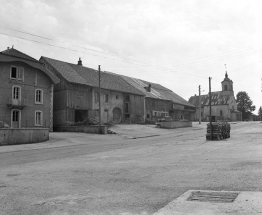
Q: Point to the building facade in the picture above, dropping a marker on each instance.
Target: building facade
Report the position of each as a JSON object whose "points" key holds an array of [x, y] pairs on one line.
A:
{"points": [[162, 102], [26, 91], [76, 97], [223, 104]]}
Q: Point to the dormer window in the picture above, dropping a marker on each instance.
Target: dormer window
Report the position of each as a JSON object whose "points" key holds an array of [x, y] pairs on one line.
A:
{"points": [[225, 87], [17, 73]]}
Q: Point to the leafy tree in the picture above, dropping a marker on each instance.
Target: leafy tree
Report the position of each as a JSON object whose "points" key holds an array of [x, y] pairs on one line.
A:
{"points": [[244, 104], [260, 113]]}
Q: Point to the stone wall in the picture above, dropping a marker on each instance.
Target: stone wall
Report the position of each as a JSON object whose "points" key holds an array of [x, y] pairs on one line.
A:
{"points": [[175, 124], [11, 136]]}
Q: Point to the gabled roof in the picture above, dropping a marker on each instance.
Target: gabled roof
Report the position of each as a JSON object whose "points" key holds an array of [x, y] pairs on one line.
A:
{"points": [[15, 53], [157, 91], [83, 75], [216, 99]]}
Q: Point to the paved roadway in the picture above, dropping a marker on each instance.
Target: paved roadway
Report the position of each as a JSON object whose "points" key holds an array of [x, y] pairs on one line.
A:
{"points": [[93, 174]]}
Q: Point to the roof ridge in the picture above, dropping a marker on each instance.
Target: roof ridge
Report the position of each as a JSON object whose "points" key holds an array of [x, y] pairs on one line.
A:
{"points": [[23, 55]]}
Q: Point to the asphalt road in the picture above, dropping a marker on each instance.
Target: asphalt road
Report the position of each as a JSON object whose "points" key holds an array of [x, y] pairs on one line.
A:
{"points": [[92, 174]]}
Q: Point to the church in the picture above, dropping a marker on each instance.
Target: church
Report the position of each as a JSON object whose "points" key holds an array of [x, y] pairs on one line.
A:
{"points": [[223, 104]]}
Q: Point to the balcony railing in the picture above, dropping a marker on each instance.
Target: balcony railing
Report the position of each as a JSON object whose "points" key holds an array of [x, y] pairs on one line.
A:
{"points": [[17, 103]]}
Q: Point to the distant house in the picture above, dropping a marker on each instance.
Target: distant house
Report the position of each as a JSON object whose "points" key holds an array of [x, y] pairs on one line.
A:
{"points": [[76, 96], [26, 91], [162, 102], [223, 104]]}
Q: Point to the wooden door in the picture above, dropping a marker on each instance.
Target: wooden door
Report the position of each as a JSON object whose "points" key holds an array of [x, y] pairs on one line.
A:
{"points": [[15, 119]]}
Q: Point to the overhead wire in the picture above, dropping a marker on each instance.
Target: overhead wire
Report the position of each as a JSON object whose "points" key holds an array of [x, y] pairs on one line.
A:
{"points": [[186, 63], [180, 67]]}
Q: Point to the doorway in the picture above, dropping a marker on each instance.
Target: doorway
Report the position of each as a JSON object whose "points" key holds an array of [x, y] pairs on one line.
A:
{"points": [[117, 114], [80, 115], [15, 118]]}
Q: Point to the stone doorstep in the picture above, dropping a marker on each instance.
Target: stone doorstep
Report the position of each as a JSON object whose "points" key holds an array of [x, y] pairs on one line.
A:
{"points": [[248, 203]]}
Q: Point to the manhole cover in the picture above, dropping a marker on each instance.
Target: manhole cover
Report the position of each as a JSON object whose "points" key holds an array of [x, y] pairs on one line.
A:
{"points": [[220, 197]]}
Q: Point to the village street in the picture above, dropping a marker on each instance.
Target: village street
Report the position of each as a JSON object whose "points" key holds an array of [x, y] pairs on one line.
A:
{"points": [[137, 171]]}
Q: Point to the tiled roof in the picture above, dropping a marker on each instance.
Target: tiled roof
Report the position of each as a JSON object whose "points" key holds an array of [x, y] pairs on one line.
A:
{"points": [[82, 75], [15, 53], [216, 99], [157, 91]]}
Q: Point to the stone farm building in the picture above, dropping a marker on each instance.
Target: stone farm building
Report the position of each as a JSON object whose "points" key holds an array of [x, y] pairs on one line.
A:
{"points": [[223, 104], [76, 96], [26, 91], [161, 101], [124, 99]]}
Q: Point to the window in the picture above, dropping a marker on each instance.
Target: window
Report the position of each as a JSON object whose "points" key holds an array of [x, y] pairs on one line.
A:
{"points": [[225, 87], [106, 98], [17, 73], [147, 116], [38, 96], [127, 98], [221, 113], [126, 108], [38, 118], [116, 96], [96, 97], [16, 93]]}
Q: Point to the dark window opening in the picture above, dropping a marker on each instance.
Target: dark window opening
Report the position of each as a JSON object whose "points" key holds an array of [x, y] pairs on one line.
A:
{"points": [[221, 113], [116, 96], [127, 98], [127, 116], [225, 87], [126, 108], [14, 72], [80, 115], [147, 116], [106, 97]]}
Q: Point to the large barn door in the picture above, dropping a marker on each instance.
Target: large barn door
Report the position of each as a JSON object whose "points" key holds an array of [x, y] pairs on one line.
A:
{"points": [[117, 115]]}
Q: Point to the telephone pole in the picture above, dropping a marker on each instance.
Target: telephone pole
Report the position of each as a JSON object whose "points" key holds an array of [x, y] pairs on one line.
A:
{"points": [[199, 101], [210, 116], [99, 96]]}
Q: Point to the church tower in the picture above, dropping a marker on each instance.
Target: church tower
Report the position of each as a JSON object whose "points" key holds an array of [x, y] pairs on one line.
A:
{"points": [[227, 86]]}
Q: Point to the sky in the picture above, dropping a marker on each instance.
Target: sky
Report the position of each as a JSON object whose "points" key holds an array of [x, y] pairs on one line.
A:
{"points": [[176, 43]]}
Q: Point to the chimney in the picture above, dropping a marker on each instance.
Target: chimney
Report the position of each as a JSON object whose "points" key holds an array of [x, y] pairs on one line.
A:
{"points": [[149, 88], [79, 62]]}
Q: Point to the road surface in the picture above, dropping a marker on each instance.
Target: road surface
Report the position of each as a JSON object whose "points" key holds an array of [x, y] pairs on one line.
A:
{"points": [[94, 174]]}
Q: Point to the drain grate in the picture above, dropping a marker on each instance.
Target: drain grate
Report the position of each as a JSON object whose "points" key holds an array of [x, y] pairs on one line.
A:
{"points": [[213, 196]]}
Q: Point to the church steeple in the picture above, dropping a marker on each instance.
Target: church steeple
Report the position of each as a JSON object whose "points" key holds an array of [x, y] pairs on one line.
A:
{"points": [[227, 84]]}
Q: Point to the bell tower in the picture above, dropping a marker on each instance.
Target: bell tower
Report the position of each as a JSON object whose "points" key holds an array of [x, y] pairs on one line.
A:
{"points": [[227, 85]]}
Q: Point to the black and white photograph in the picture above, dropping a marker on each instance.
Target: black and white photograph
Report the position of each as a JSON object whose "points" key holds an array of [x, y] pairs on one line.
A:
{"points": [[138, 107]]}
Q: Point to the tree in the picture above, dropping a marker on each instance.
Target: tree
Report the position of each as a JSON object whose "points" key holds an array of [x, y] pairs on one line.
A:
{"points": [[244, 104], [260, 113]]}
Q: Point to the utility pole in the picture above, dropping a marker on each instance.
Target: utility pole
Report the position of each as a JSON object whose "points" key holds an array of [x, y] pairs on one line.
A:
{"points": [[199, 101], [99, 96], [210, 116]]}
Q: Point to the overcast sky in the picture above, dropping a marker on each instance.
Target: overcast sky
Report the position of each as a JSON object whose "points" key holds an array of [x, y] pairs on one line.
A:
{"points": [[176, 43]]}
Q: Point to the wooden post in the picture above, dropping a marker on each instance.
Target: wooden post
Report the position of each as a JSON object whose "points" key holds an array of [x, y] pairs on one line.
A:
{"points": [[210, 116], [99, 96], [199, 100]]}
